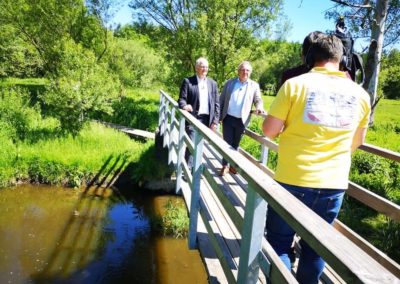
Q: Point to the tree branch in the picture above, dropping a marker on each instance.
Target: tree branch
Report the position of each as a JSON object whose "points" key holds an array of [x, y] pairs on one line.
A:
{"points": [[344, 3]]}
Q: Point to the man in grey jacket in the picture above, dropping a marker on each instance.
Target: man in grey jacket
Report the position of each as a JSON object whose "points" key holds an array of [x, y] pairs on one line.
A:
{"points": [[238, 95]]}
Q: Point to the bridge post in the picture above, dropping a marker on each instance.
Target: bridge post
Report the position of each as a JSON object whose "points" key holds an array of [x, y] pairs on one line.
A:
{"points": [[165, 127], [264, 154], [181, 152], [195, 198], [171, 151], [161, 116], [252, 235]]}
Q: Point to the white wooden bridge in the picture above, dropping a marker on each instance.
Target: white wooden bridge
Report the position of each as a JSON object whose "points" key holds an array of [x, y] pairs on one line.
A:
{"points": [[227, 214]]}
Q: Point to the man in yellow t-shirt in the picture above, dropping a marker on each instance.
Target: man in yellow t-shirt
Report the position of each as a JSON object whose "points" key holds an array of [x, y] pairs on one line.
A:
{"points": [[321, 117]]}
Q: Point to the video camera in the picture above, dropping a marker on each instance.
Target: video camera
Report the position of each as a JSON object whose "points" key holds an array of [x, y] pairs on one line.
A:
{"points": [[340, 25]]}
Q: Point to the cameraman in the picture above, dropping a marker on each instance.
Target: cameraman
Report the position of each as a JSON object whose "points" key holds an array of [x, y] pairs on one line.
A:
{"points": [[321, 117]]}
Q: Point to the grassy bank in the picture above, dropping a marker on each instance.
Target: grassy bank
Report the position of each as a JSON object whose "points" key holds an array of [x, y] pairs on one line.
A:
{"points": [[96, 151]]}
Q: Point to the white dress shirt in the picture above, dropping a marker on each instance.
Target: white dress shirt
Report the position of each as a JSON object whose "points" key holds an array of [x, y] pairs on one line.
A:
{"points": [[203, 96]]}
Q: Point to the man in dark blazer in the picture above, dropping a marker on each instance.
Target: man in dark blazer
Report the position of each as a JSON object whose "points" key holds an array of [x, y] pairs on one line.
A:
{"points": [[199, 96]]}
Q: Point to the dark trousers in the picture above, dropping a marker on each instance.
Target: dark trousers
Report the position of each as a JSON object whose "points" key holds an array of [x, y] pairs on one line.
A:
{"points": [[232, 131], [203, 118]]}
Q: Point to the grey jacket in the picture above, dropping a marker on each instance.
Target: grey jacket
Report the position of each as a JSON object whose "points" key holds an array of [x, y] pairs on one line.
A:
{"points": [[253, 96]]}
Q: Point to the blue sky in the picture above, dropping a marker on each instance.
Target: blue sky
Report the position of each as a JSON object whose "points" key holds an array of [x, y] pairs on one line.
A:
{"points": [[307, 16]]}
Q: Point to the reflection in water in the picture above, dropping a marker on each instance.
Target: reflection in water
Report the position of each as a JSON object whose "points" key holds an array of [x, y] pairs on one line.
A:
{"points": [[55, 235]]}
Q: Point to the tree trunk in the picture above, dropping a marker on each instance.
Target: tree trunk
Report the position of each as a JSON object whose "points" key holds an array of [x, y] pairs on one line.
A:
{"points": [[377, 35]]}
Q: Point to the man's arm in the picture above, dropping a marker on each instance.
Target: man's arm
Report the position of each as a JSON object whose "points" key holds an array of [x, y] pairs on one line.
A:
{"points": [[183, 94], [272, 126], [359, 138], [257, 100]]}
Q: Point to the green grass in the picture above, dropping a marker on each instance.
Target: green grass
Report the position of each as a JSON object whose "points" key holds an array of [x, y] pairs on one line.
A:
{"points": [[175, 220], [23, 82], [386, 129], [71, 161]]}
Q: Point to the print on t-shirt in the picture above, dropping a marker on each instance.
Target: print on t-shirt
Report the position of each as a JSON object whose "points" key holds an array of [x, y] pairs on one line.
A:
{"points": [[330, 109]]}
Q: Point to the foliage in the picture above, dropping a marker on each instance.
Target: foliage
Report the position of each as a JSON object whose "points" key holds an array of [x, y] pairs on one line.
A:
{"points": [[41, 27], [42, 24], [17, 116], [390, 75], [135, 63], [81, 89], [17, 58], [274, 57], [222, 30], [138, 109]]}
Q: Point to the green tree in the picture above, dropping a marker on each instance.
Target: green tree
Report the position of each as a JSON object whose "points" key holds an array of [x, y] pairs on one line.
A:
{"points": [[81, 88], [273, 58], [390, 75], [42, 23], [222, 30], [135, 63], [17, 58]]}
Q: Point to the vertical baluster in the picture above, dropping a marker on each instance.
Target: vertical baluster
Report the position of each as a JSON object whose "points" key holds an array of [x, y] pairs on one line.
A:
{"points": [[264, 154], [195, 199], [181, 152], [165, 127], [161, 113], [171, 151], [252, 234]]}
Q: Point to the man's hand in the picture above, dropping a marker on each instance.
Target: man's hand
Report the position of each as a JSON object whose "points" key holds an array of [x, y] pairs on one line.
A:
{"points": [[213, 127], [260, 111], [188, 108]]}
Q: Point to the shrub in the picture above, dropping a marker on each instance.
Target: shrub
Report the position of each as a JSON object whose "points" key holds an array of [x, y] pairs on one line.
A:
{"points": [[80, 89], [16, 114], [136, 64]]}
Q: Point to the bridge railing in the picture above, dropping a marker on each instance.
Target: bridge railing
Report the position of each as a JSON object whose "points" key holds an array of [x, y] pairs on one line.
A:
{"points": [[348, 260], [363, 195]]}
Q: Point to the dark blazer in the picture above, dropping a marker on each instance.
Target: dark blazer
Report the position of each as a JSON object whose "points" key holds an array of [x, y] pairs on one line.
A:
{"points": [[189, 95]]}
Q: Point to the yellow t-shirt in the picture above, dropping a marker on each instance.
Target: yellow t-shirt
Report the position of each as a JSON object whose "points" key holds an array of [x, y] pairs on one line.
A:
{"points": [[322, 110]]}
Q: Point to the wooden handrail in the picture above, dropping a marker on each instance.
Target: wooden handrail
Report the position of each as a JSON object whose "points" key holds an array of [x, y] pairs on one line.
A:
{"points": [[394, 156], [330, 244]]}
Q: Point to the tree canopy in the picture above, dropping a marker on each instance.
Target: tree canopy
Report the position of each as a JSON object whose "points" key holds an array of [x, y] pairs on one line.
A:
{"points": [[222, 30]]}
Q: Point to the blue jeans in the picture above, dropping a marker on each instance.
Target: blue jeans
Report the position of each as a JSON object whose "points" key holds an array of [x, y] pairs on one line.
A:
{"points": [[326, 203]]}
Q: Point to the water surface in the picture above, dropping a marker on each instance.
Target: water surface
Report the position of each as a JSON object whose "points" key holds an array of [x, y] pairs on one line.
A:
{"points": [[57, 235]]}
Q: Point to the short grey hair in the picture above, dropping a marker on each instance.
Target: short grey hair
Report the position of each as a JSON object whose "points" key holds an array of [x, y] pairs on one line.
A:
{"points": [[201, 60], [243, 63]]}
